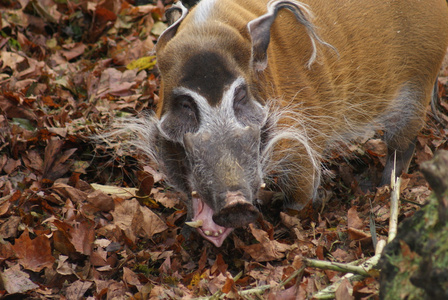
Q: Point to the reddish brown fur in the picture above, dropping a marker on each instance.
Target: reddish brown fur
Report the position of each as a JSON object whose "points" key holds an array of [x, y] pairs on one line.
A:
{"points": [[384, 48]]}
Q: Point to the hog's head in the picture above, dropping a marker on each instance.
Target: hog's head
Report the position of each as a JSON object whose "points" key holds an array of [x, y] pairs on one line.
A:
{"points": [[210, 127], [210, 143]]}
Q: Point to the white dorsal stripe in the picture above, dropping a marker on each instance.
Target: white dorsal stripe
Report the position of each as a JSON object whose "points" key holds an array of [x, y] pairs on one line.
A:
{"points": [[203, 10]]}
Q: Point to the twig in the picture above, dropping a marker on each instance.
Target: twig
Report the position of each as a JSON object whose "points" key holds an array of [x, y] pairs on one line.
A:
{"points": [[292, 276], [256, 290], [42, 11], [219, 293], [358, 272], [329, 291], [395, 196], [326, 265]]}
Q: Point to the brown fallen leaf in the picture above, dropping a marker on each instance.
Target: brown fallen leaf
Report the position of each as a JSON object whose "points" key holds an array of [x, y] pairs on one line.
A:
{"points": [[4, 157], [6, 251], [33, 161], [33, 254], [353, 220], [62, 244], [15, 281], [291, 293], [131, 278], [146, 183], [166, 198], [267, 249], [343, 292], [56, 161], [77, 289], [377, 148], [137, 220], [9, 228], [64, 267], [424, 154], [4, 206], [11, 165], [69, 192], [73, 50], [121, 192], [117, 83], [82, 235], [215, 283], [117, 290], [101, 201], [356, 234], [219, 265]]}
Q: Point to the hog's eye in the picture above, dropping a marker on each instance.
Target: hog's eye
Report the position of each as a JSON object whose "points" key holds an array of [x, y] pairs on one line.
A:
{"points": [[182, 116], [240, 94], [185, 104]]}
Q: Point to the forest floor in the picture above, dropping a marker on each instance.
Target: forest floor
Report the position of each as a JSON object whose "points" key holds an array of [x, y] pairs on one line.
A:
{"points": [[84, 220]]}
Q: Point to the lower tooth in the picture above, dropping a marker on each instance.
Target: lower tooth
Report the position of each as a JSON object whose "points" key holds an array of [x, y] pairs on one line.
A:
{"points": [[220, 231], [216, 234], [207, 232]]}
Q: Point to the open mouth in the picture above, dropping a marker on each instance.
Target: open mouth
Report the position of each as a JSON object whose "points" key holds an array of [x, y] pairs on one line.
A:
{"points": [[204, 224]]}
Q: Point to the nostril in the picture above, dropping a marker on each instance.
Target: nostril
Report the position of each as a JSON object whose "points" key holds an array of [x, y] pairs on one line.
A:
{"points": [[236, 215]]}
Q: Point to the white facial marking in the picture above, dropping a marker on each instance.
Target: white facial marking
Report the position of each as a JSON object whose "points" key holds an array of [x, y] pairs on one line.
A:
{"points": [[213, 118], [221, 115]]}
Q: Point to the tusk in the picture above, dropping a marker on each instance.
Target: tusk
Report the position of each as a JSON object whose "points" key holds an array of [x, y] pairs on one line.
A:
{"points": [[195, 224]]}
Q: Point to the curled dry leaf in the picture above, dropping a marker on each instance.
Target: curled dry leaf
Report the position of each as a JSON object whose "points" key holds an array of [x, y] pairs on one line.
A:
{"points": [[124, 193], [64, 267]]}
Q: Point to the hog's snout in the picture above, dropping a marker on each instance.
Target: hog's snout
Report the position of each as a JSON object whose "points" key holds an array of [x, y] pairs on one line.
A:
{"points": [[237, 211]]}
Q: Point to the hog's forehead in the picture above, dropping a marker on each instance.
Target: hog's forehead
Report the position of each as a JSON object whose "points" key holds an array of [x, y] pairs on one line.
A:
{"points": [[209, 74]]}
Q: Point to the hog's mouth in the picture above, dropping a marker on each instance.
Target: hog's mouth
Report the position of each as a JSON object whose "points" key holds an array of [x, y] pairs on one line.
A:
{"points": [[216, 226], [204, 224]]}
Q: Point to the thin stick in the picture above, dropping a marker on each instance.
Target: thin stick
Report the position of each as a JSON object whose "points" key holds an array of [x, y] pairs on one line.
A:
{"points": [[339, 267], [394, 200]]}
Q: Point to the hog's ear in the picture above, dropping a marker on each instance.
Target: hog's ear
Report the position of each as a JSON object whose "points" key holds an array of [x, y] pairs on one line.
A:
{"points": [[260, 30], [174, 15]]}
